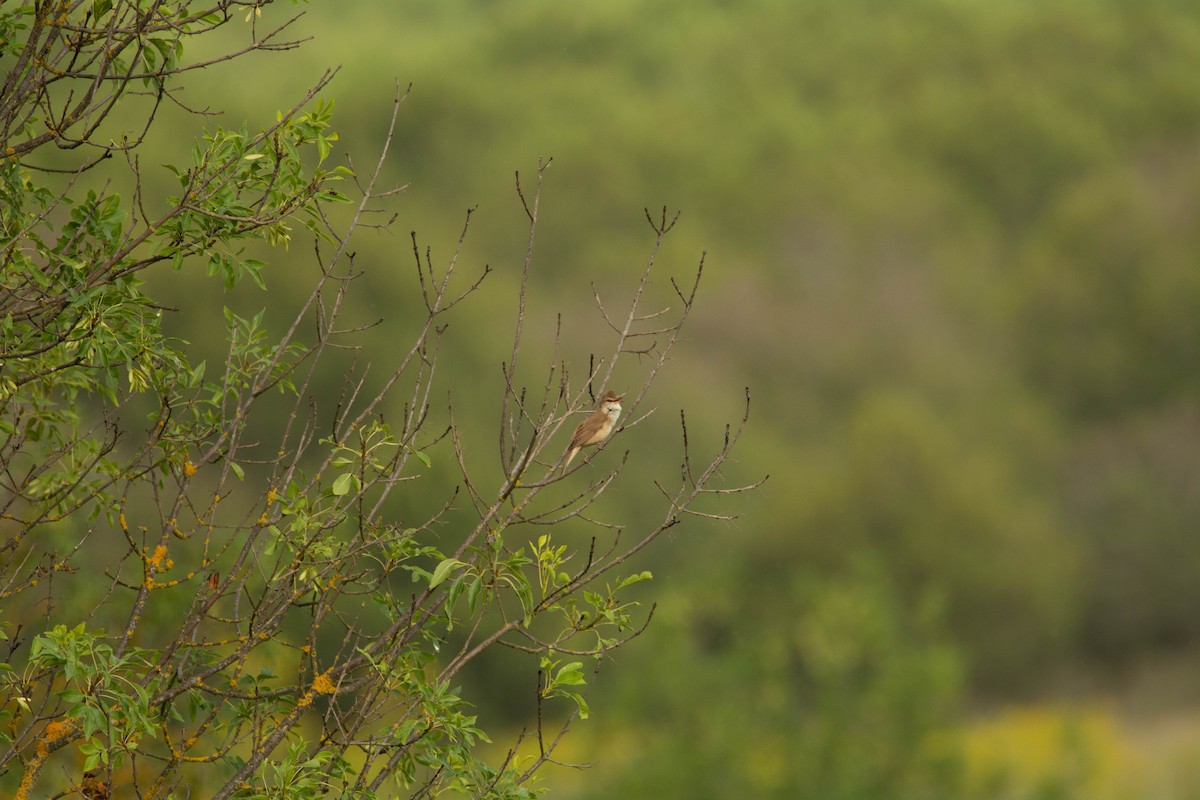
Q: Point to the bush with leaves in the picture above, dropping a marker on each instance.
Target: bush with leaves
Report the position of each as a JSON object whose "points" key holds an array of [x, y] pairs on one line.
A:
{"points": [[213, 582]]}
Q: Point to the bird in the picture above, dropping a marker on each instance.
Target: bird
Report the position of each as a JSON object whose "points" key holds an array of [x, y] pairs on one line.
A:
{"points": [[93, 786], [597, 427]]}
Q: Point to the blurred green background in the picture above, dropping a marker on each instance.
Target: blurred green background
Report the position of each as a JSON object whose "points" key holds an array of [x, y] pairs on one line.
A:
{"points": [[952, 249]]}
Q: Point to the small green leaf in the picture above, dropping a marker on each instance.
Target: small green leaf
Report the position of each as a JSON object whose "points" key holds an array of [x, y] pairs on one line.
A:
{"points": [[632, 579], [473, 595], [570, 675], [456, 589], [584, 710], [253, 268], [93, 759], [341, 486], [442, 571]]}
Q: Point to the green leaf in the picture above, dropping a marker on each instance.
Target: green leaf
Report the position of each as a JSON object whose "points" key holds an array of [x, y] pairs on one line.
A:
{"points": [[456, 589], [272, 540], [93, 756], [632, 579], [343, 483], [570, 675], [254, 270], [442, 571], [584, 710], [473, 595]]}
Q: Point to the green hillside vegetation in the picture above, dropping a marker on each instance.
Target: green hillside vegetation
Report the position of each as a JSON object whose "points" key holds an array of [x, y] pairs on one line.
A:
{"points": [[952, 242]]}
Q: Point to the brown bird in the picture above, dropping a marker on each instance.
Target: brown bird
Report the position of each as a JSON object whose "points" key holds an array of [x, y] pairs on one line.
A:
{"points": [[93, 786], [597, 427]]}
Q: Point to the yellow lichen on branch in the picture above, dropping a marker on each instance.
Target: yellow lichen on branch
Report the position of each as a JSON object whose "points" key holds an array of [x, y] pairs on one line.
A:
{"points": [[158, 561], [54, 736], [323, 684]]}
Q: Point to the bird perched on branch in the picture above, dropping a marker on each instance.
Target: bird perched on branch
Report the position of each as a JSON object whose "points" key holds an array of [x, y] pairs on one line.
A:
{"points": [[93, 786], [597, 427]]}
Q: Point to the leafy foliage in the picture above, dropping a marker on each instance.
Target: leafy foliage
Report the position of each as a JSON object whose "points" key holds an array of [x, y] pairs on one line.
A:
{"points": [[854, 698], [203, 594]]}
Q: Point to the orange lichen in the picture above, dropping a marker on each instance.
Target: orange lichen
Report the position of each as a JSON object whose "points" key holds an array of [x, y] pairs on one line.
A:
{"points": [[323, 684], [159, 561], [55, 731], [189, 469]]}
